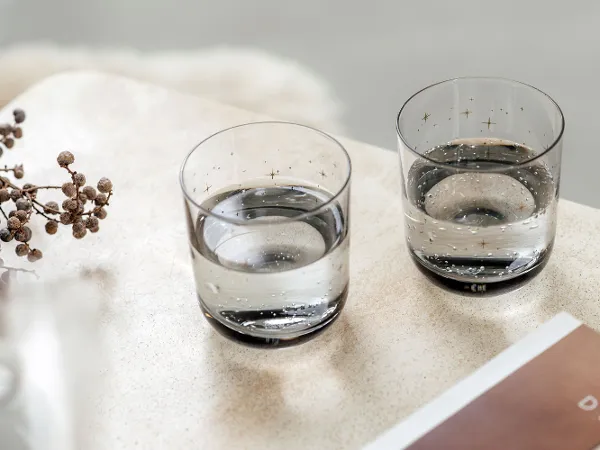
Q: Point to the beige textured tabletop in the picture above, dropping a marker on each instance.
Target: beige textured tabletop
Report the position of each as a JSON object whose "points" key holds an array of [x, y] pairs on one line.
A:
{"points": [[172, 383]]}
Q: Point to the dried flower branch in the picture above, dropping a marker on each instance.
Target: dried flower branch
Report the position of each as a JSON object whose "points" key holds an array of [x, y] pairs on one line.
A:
{"points": [[22, 202]]}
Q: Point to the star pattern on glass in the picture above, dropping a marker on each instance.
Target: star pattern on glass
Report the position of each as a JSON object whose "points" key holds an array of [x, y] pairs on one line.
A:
{"points": [[426, 116], [272, 174], [323, 174], [489, 122], [483, 243], [466, 112], [207, 188]]}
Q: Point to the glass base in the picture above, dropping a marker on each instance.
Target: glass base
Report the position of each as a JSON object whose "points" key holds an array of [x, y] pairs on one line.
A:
{"points": [[481, 286], [278, 339]]}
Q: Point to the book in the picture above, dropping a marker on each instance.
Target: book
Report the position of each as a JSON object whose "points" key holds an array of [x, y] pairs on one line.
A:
{"points": [[541, 393]]}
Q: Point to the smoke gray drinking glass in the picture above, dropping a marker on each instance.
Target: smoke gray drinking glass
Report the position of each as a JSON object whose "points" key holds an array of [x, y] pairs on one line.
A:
{"points": [[267, 207], [480, 162]]}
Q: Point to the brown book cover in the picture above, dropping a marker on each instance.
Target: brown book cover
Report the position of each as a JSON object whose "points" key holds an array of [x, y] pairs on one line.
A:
{"points": [[541, 393]]}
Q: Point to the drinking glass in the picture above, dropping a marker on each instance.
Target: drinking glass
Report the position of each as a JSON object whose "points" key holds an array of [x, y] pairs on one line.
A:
{"points": [[12, 426], [9, 374], [480, 162], [267, 212]]}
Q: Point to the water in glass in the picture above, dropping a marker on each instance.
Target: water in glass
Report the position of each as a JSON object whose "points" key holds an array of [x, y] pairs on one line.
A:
{"points": [[488, 225], [267, 281]]}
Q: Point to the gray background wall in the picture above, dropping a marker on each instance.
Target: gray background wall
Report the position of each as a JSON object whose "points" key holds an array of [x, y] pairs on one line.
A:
{"points": [[375, 53]]}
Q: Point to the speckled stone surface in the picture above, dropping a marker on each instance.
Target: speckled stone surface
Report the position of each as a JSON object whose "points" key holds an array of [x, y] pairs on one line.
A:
{"points": [[172, 383]]}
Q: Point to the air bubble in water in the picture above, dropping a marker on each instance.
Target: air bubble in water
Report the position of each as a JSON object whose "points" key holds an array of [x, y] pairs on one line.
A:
{"points": [[213, 287]]}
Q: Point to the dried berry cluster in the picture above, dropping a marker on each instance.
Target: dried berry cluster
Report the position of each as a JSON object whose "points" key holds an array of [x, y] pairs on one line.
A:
{"points": [[82, 208], [8, 134]]}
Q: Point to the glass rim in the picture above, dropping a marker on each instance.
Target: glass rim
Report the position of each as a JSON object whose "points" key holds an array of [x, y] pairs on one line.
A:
{"points": [[501, 79], [309, 213]]}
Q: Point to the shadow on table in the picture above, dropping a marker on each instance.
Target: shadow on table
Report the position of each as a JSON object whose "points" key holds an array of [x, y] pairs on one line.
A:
{"points": [[262, 392], [481, 334], [568, 292], [311, 396], [335, 391]]}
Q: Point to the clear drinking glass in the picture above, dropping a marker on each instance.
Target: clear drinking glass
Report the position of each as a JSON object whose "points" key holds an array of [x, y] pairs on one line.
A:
{"points": [[480, 164], [267, 213]]}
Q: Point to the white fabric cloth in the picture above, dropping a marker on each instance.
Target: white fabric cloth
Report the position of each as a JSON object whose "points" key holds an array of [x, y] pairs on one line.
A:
{"points": [[251, 79]]}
